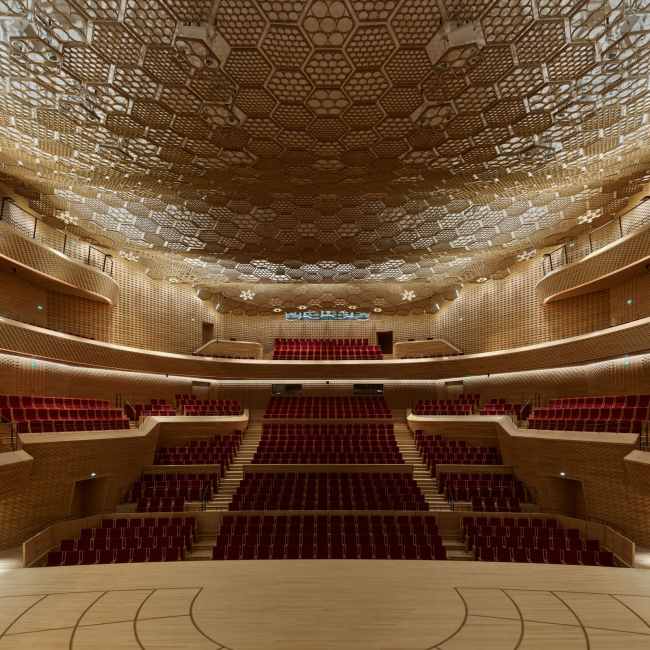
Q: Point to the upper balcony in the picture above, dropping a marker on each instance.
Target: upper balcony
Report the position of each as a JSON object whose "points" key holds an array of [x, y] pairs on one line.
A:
{"points": [[53, 259]]}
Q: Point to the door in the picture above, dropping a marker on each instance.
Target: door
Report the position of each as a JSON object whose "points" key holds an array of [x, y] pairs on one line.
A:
{"points": [[385, 342], [201, 389]]}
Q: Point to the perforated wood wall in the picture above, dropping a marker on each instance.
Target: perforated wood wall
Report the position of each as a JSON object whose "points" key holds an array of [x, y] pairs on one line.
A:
{"points": [[604, 378], [506, 313], [267, 328]]}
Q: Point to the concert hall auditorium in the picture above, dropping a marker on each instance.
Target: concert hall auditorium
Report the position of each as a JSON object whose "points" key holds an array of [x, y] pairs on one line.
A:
{"points": [[325, 324]]}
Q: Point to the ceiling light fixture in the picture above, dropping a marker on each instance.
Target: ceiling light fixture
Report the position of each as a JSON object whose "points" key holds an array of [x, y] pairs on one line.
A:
{"points": [[481, 279], [247, 294], [588, 216], [377, 309], [408, 296], [129, 255], [524, 256]]}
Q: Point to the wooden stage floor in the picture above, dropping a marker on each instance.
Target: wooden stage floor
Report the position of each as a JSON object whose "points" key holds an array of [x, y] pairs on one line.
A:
{"points": [[290, 605]]}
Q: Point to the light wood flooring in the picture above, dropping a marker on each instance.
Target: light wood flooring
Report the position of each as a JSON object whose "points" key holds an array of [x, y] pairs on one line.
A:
{"points": [[294, 605]]}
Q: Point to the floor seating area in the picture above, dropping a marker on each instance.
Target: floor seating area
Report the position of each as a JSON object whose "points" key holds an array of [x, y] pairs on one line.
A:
{"points": [[436, 451], [36, 414], [330, 408], [462, 405], [464, 487], [614, 414], [118, 541], [328, 491], [536, 540], [339, 444], [325, 350], [220, 450], [292, 537]]}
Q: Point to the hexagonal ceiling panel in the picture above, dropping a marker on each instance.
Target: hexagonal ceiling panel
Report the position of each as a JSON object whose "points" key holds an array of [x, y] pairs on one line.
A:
{"points": [[366, 146]]}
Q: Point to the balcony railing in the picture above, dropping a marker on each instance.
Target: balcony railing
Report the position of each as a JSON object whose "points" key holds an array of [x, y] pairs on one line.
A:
{"points": [[37, 229], [613, 230]]}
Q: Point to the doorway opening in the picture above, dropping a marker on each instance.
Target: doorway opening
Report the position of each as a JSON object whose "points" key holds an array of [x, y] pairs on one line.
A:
{"points": [[88, 495], [201, 389], [567, 494], [385, 342], [207, 333]]}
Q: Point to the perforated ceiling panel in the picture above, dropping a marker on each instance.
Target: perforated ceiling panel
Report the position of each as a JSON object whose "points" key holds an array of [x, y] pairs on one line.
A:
{"points": [[411, 144]]}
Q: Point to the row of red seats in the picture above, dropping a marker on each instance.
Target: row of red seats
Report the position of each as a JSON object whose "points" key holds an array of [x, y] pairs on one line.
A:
{"points": [[28, 414], [133, 412], [351, 355], [308, 551], [292, 524], [464, 493], [432, 460], [139, 522], [193, 476], [219, 356], [186, 493], [319, 399], [172, 483], [510, 522], [432, 356], [463, 399], [444, 477], [279, 342], [317, 414], [595, 413], [464, 409], [183, 401], [72, 426], [600, 401], [98, 535], [496, 504], [166, 504], [111, 556], [214, 446], [599, 426], [325, 458], [332, 428], [36, 401], [548, 556], [222, 459], [191, 409]]}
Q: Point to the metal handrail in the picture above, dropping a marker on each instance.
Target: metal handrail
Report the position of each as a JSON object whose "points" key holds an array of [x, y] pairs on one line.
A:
{"points": [[566, 257], [105, 262]]}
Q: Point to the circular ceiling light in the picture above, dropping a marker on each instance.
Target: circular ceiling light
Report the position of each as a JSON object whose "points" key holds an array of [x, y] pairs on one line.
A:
{"points": [[247, 295]]}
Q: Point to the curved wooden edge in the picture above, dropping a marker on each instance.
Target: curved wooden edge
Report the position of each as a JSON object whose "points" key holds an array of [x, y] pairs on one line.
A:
{"points": [[597, 271], [35, 342], [15, 242]]}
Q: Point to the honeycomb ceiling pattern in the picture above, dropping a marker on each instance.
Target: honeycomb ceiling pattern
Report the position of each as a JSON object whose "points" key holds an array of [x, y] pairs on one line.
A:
{"points": [[325, 151]]}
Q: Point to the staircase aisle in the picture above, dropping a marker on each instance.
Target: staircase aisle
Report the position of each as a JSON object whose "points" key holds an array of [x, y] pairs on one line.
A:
{"points": [[229, 484], [406, 444]]}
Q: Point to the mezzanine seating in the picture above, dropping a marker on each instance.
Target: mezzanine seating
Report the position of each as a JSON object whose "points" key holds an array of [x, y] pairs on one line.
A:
{"points": [[220, 450], [192, 405], [330, 408], [436, 451], [337, 443], [409, 537], [37, 414], [328, 491], [614, 414], [325, 350], [148, 539], [536, 540]]}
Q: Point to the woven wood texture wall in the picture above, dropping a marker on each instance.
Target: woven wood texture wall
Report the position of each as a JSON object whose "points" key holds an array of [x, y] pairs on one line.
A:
{"points": [[601, 263], [20, 248], [599, 465], [502, 314]]}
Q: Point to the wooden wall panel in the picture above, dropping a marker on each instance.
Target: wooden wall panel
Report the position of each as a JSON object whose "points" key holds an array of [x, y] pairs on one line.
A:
{"points": [[15, 246], [635, 289], [265, 329], [502, 314], [597, 270]]}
